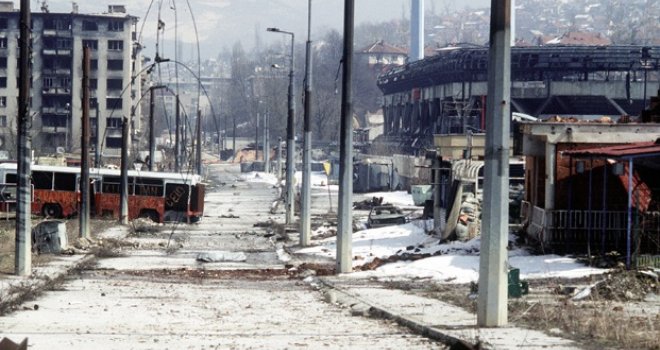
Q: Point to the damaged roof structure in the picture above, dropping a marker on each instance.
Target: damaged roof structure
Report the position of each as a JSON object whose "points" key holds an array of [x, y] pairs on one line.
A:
{"points": [[591, 187], [446, 93]]}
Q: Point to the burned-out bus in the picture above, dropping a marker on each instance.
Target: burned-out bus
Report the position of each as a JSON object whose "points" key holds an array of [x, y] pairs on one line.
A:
{"points": [[158, 196]]}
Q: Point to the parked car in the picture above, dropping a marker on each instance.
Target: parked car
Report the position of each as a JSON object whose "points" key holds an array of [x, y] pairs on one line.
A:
{"points": [[385, 215]]}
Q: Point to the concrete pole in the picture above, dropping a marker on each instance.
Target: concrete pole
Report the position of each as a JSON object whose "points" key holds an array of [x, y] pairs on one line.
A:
{"points": [[305, 221], [23, 254], [97, 150], [152, 134], [550, 166], [279, 159], [123, 186], [177, 136], [84, 151], [290, 144], [437, 198], [266, 145], [345, 212], [198, 148], [256, 137], [492, 300]]}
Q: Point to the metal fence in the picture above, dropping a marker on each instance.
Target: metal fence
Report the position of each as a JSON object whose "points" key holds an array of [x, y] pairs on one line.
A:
{"points": [[603, 231], [595, 231]]}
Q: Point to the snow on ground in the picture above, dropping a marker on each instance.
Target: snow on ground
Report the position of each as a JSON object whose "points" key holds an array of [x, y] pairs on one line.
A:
{"points": [[453, 262], [317, 179], [398, 198], [259, 177]]}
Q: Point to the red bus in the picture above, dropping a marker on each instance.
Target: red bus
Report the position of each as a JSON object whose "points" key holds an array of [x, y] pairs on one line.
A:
{"points": [[159, 196]]}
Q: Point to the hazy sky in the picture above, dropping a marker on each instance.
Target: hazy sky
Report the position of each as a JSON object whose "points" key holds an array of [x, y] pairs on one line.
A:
{"points": [[221, 23]]}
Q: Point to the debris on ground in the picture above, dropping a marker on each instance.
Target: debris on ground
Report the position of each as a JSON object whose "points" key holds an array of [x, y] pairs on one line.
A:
{"points": [[618, 285], [324, 231], [623, 285], [229, 216], [221, 257], [368, 204]]}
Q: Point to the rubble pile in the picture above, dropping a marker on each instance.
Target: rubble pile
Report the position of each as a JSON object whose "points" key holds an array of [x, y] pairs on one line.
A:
{"points": [[622, 285]]}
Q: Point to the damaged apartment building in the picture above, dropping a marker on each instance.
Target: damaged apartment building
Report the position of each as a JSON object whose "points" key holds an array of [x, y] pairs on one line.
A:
{"points": [[58, 40]]}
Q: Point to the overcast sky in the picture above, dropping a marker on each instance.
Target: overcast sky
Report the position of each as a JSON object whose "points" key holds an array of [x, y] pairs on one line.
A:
{"points": [[221, 23]]}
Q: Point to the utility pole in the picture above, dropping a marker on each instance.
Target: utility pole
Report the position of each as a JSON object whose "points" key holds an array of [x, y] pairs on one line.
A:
{"points": [[198, 148], [256, 137], [84, 152], [152, 135], [177, 137], [23, 255], [305, 208], [345, 212], [123, 186], [279, 159], [266, 143], [438, 185], [97, 151], [290, 142], [492, 300]]}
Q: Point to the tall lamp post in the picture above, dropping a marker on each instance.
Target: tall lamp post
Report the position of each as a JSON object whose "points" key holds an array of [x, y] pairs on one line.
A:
{"points": [[290, 145], [305, 205]]}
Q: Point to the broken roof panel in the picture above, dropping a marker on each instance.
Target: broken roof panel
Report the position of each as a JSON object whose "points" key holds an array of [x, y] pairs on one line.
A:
{"points": [[632, 150]]}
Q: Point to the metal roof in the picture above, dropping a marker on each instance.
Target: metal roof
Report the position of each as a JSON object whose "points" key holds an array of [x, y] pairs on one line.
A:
{"points": [[631, 150]]}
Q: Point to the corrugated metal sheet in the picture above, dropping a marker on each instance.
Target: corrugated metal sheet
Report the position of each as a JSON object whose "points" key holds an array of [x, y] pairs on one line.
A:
{"points": [[633, 150]]}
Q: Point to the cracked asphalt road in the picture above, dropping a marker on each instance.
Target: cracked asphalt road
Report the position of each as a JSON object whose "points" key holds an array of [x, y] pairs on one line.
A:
{"points": [[150, 297]]}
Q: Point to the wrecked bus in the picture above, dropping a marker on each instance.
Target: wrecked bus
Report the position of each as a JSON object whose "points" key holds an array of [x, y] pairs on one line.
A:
{"points": [[158, 196]]}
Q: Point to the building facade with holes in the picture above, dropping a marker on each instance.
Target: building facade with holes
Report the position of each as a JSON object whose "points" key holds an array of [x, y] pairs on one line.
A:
{"points": [[446, 93], [58, 40]]}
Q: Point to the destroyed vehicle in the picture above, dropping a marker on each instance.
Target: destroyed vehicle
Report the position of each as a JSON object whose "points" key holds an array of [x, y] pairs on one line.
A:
{"points": [[385, 215]]}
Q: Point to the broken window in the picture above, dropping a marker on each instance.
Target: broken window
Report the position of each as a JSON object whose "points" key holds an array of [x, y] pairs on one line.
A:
{"points": [[113, 103], [3, 43], [115, 45], [115, 64], [3, 121], [92, 44], [3, 101], [148, 187], [65, 182], [53, 120], [90, 26], [47, 83], [42, 180], [3, 23], [111, 184], [57, 24], [116, 26], [64, 43], [65, 82], [114, 84], [113, 142], [113, 123]]}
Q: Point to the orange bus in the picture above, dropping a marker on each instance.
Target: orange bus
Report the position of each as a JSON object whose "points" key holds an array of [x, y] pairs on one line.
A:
{"points": [[158, 196]]}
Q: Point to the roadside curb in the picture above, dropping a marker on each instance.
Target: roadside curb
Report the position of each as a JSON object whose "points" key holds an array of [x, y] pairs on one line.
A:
{"points": [[414, 326], [23, 290]]}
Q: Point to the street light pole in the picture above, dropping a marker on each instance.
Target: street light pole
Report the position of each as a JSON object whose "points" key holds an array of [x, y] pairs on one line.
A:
{"points": [[345, 211], [290, 145], [305, 225]]}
